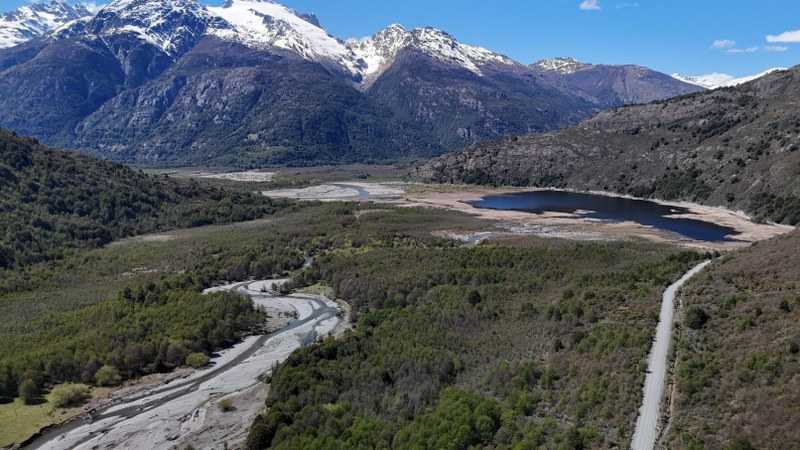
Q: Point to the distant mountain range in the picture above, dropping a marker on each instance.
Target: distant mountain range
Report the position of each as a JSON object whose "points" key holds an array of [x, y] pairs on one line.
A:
{"points": [[720, 80], [610, 86], [253, 82], [737, 147]]}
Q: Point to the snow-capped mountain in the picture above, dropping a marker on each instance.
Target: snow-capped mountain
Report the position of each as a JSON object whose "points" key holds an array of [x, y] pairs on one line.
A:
{"points": [[37, 19], [380, 50], [175, 80], [564, 66], [721, 80], [265, 24], [172, 26]]}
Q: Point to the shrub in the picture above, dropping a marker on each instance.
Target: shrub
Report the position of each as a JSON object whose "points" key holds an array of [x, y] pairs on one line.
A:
{"points": [[197, 360], [176, 354], [68, 395], [107, 376], [29, 392], [696, 318], [226, 405]]}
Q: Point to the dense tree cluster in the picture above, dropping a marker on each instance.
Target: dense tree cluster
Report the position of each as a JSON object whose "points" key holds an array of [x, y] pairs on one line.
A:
{"points": [[53, 201], [152, 329], [493, 346]]}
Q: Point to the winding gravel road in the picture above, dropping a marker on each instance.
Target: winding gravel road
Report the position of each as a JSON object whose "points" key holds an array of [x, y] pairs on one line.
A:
{"points": [[186, 411], [647, 429]]}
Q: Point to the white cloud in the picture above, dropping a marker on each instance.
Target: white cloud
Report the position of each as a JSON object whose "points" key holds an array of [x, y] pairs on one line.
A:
{"points": [[723, 44], [775, 48], [787, 37], [590, 5], [743, 50]]}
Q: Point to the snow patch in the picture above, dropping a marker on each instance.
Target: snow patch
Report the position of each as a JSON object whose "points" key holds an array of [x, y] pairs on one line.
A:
{"points": [[563, 66], [379, 51], [37, 19], [264, 24]]}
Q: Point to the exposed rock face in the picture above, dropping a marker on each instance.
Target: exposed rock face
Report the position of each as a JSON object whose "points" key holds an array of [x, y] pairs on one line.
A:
{"points": [[735, 147]]}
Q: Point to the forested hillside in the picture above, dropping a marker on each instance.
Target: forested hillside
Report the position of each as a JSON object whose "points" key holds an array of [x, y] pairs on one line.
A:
{"points": [[53, 201], [733, 147]]}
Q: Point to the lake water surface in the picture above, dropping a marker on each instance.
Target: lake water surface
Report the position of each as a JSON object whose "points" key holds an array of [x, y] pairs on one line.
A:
{"points": [[614, 209]]}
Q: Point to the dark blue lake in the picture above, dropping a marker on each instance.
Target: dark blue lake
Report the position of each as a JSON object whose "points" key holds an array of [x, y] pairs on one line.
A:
{"points": [[614, 209]]}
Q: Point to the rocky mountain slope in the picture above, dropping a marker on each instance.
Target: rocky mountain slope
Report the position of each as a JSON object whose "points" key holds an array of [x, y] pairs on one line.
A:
{"points": [[734, 147], [610, 86], [253, 82], [37, 19]]}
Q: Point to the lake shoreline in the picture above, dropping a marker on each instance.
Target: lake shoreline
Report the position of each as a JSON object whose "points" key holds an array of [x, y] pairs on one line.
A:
{"points": [[573, 226]]}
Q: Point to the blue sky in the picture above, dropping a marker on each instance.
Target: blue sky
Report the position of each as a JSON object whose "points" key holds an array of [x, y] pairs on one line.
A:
{"points": [[688, 36]]}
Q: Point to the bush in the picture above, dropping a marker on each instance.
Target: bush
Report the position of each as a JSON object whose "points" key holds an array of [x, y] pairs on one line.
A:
{"points": [[107, 376], [176, 354], [29, 392], [197, 360], [696, 318], [68, 395], [226, 405]]}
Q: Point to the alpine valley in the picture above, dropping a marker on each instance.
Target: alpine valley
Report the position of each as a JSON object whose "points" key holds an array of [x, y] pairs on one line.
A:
{"points": [[253, 82], [222, 227]]}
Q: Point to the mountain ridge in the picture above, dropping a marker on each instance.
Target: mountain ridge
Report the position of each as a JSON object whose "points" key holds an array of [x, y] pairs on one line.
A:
{"points": [[610, 86], [37, 19], [116, 85]]}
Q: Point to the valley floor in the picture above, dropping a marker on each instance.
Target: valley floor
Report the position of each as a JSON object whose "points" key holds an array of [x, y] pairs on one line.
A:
{"points": [[212, 408], [540, 339], [514, 223]]}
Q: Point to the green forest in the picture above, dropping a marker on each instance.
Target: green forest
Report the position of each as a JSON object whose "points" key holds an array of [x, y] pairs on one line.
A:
{"points": [[52, 202], [526, 343]]}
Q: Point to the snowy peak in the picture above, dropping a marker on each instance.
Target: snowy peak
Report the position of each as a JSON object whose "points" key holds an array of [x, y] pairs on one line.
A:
{"points": [[721, 80], [265, 24], [37, 19], [175, 25], [170, 25], [563, 66], [379, 51]]}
